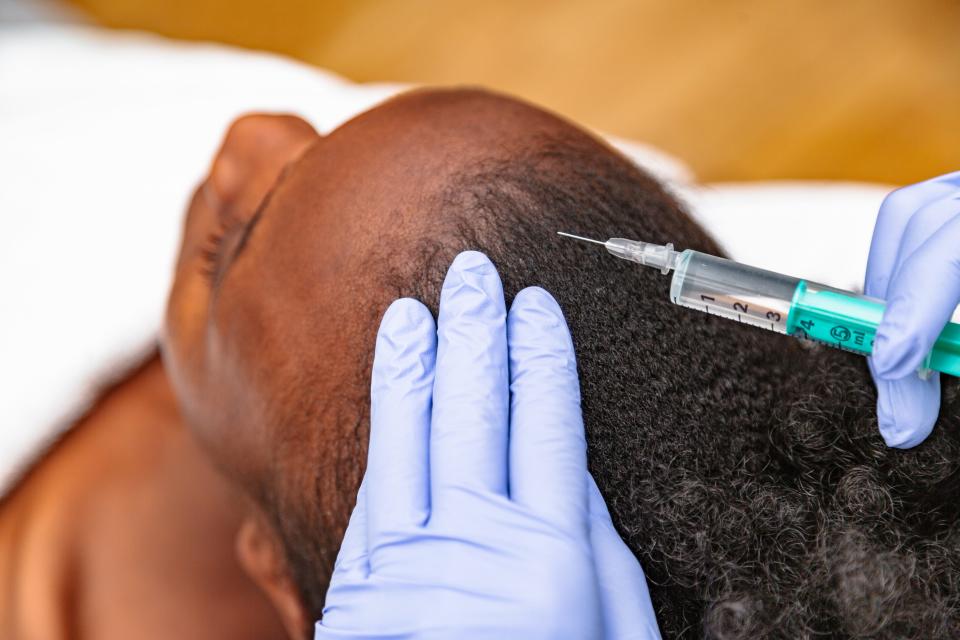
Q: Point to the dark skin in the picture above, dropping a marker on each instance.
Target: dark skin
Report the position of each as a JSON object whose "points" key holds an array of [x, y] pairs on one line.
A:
{"points": [[260, 351], [244, 335], [126, 531]]}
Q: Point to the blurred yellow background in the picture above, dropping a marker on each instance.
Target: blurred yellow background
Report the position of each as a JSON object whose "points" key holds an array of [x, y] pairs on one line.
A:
{"points": [[856, 89]]}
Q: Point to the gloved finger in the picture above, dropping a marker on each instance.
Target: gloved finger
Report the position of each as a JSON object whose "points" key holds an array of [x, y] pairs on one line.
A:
{"points": [[920, 300], [352, 557], [397, 477], [548, 459], [925, 222], [624, 596], [894, 215], [907, 409], [468, 438]]}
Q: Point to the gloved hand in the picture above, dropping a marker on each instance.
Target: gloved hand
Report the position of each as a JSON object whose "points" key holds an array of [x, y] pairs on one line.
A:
{"points": [[476, 517], [914, 265]]}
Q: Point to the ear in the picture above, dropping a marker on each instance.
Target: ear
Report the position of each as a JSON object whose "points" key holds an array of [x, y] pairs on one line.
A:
{"points": [[254, 152], [261, 555]]}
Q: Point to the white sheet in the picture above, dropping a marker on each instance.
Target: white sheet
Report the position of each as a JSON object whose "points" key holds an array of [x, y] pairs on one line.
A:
{"points": [[103, 136]]}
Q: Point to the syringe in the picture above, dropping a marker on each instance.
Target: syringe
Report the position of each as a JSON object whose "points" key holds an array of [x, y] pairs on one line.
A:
{"points": [[774, 301]]}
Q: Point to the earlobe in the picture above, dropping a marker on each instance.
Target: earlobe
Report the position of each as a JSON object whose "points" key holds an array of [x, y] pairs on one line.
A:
{"points": [[261, 555]]}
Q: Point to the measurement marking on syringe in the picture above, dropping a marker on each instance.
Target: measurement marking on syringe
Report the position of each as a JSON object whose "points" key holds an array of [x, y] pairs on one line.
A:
{"points": [[746, 294]]}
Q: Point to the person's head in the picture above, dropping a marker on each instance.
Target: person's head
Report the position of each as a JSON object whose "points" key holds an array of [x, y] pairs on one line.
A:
{"points": [[743, 469]]}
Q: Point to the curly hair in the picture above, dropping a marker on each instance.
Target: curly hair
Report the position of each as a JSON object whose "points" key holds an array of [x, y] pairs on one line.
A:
{"points": [[744, 469]]}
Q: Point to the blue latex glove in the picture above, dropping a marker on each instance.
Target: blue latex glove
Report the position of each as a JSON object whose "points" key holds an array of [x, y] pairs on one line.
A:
{"points": [[476, 517], [914, 265]]}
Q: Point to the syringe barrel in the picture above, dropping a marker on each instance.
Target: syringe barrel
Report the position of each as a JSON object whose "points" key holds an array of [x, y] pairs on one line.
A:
{"points": [[788, 305], [732, 290], [849, 321]]}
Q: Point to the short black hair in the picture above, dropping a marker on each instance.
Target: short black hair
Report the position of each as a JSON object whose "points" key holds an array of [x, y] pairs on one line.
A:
{"points": [[744, 469]]}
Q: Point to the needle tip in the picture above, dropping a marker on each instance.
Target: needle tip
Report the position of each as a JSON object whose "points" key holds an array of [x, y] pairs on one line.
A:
{"points": [[570, 235]]}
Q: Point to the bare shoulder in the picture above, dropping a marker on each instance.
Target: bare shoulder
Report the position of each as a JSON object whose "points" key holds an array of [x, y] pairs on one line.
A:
{"points": [[126, 530]]}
